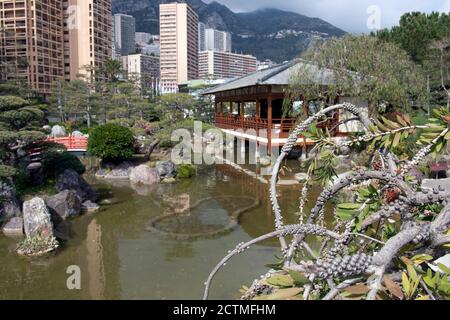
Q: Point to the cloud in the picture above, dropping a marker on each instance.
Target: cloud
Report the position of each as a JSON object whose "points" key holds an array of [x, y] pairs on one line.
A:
{"points": [[349, 15]]}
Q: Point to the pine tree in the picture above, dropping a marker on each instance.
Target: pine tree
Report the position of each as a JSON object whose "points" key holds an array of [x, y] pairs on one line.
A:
{"points": [[20, 124]]}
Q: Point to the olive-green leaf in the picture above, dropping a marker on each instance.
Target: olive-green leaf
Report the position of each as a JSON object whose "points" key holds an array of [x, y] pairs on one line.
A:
{"points": [[280, 281]]}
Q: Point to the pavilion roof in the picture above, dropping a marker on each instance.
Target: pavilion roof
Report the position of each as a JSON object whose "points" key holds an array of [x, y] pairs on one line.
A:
{"points": [[281, 74]]}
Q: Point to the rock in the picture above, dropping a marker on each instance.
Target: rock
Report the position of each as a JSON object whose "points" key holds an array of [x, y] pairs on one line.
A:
{"points": [[37, 219], [36, 173], [301, 177], [166, 169], [47, 129], [90, 206], [144, 175], [115, 171], [77, 134], [265, 161], [14, 227], [9, 205], [169, 180], [295, 153], [58, 131], [71, 180], [65, 204]]}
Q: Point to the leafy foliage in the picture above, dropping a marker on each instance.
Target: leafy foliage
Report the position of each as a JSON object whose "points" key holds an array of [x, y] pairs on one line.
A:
{"points": [[186, 171], [111, 142], [20, 124], [56, 162], [364, 67]]}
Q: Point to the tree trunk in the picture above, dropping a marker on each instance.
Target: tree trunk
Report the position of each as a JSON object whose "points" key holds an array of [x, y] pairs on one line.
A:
{"points": [[150, 150]]}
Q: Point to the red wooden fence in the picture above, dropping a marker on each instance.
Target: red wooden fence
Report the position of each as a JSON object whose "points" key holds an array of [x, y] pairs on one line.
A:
{"points": [[72, 143]]}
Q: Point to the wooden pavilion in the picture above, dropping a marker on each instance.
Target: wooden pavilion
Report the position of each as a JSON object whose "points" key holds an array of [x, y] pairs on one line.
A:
{"points": [[256, 100]]}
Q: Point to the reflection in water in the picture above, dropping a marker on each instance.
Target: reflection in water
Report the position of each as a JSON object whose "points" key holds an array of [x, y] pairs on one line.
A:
{"points": [[120, 259], [94, 258]]}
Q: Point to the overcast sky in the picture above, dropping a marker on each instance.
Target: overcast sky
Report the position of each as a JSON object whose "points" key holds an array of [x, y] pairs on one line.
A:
{"points": [[349, 15]]}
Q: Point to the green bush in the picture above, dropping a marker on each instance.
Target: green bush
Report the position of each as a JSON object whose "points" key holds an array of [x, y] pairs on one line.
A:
{"points": [[186, 171], [111, 142], [54, 163]]}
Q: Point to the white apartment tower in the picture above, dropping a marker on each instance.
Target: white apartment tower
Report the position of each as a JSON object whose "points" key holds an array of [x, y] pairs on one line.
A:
{"points": [[220, 64], [212, 39], [179, 45]]}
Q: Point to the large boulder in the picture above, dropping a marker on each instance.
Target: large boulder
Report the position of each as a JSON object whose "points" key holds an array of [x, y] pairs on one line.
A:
{"points": [[115, 171], [166, 169], [58, 131], [14, 227], [144, 175], [65, 204], [9, 205], [71, 180], [37, 219], [90, 206]]}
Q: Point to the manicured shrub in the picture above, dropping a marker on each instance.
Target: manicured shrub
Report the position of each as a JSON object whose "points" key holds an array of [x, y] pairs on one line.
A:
{"points": [[54, 163], [111, 142]]}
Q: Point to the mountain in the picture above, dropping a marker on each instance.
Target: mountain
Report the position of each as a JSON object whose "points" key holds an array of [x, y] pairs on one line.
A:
{"points": [[268, 33]]}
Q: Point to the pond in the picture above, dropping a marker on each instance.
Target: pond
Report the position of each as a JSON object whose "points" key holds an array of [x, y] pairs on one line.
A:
{"points": [[122, 256]]}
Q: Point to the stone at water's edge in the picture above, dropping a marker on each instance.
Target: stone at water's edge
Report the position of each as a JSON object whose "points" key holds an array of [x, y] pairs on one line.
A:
{"points": [[301, 177], [145, 175], [115, 171], [265, 161], [169, 180], [71, 180], [166, 169], [37, 219], [90, 206], [65, 204], [14, 227], [9, 205]]}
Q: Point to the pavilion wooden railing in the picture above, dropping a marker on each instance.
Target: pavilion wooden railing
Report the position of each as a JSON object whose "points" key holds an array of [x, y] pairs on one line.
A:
{"points": [[285, 125], [235, 122]]}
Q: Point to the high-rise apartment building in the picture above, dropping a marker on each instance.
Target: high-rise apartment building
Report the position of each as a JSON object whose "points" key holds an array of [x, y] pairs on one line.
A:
{"points": [[88, 37], [43, 41], [31, 42], [212, 39], [201, 36], [220, 64], [179, 45], [144, 68], [142, 38], [217, 40], [124, 34]]}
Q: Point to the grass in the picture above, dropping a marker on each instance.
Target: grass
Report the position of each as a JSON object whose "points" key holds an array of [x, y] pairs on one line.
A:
{"points": [[25, 192]]}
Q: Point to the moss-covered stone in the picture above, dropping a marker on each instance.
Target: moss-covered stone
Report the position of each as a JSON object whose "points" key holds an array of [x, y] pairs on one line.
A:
{"points": [[186, 171]]}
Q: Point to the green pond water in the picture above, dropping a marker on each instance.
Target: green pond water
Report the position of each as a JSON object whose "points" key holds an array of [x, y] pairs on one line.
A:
{"points": [[120, 258]]}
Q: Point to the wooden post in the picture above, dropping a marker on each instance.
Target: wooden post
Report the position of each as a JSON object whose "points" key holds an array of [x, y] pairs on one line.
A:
{"points": [[241, 109], [337, 118], [269, 121], [221, 108], [258, 109], [231, 107]]}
